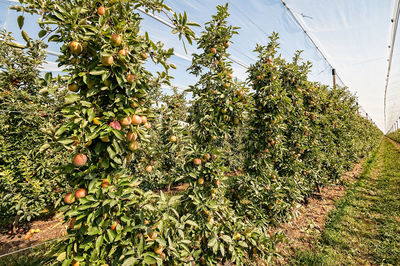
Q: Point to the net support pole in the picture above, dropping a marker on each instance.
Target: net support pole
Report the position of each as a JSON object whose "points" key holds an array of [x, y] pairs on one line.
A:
{"points": [[334, 77]]}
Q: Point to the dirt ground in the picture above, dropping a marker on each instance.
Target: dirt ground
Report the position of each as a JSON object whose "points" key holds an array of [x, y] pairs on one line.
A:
{"points": [[302, 231], [50, 228]]}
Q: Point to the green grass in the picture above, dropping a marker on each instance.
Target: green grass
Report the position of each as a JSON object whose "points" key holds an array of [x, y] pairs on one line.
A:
{"points": [[365, 226], [35, 256]]}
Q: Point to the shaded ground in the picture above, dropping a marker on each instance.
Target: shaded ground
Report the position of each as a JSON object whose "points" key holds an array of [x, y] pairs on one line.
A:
{"points": [[50, 228], [364, 229]]}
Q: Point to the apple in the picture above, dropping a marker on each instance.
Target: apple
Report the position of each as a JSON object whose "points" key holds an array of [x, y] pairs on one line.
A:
{"points": [[201, 181], [79, 160], [69, 198], [172, 138], [136, 120], [101, 10], [158, 249], [116, 39], [148, 168], [226, 44], [207, 156], [130, 78], [126, 121], [240, 93], [90, 84], [230, 76], [75, 47], [80, 193], [134, 103], [213, 50], [114, 225], [105, 183], [131, 136], [133, 145], [152, 235], [122, 52], [115, 125], [107, 82], [107, 60], [197, 161], [147, 125], [144, 119], [73, 87], [143, 56]]}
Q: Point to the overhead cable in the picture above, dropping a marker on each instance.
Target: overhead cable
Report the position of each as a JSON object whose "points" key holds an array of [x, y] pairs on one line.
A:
{"points": [[309, 37], [163, 21], [395, 21]]}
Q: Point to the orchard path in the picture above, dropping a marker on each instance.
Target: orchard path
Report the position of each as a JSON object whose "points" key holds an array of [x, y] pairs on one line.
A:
{"points": [[364, 228]]}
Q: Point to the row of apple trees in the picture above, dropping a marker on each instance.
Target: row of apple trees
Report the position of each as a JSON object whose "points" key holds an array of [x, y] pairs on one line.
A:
{"points": [[394, 135], [28, 186], [173, 183]]}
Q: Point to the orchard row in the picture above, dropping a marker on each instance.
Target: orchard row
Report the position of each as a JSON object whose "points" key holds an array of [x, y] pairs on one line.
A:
{"points": [[141, 187]]}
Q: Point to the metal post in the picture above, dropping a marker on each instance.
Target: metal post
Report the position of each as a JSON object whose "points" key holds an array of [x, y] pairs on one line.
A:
{"points": [[334, 77]]}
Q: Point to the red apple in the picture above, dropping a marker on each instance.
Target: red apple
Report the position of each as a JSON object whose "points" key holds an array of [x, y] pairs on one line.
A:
{"points": [[79, 160], [115, 125], [80, 193], [136, 120], [69, 198]]}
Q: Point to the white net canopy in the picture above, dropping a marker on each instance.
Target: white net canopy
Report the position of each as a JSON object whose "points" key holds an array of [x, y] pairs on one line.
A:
{"points": [[351, 36]]}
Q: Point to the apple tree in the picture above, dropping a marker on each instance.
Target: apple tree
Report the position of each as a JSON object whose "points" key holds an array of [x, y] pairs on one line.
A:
{"points": [[107, 116]]}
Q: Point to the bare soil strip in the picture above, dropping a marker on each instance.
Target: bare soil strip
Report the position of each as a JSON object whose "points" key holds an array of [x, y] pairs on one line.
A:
{"points": [[302, 231]]}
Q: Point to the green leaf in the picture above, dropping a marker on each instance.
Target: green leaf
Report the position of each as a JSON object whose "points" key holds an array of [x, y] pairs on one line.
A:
{"points": [[65, 141], [130, 261], [99, 242], [62, 256], [25, 36], [212, 242], [118, 134], [20, 21], [98, 72], [71, 98], [227, 239], [149, 259], [192, 223], [42, 33]]}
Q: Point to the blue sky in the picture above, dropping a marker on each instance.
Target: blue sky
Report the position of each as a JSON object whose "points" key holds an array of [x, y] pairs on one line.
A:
{"points": [[353, 35]]}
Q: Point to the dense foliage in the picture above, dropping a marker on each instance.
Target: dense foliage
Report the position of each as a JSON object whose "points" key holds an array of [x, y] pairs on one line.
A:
{"points": [[152, 180], [302, 135], [216, 111], [28, 103]]}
